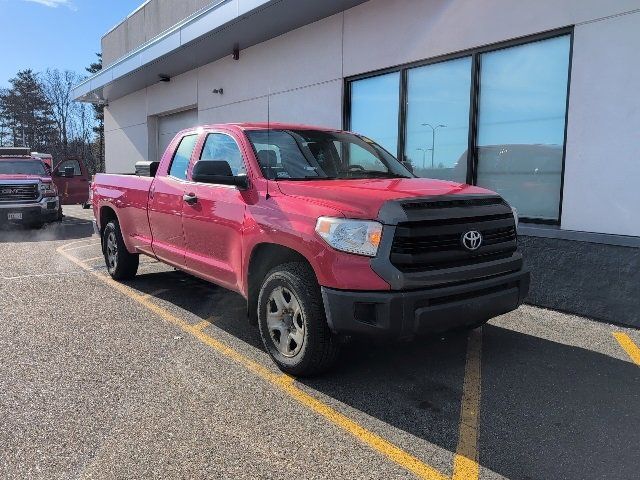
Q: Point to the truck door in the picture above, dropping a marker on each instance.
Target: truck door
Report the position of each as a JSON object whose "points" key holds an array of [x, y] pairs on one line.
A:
{"points": [[165, 204], [213, 220], [72, 190]]}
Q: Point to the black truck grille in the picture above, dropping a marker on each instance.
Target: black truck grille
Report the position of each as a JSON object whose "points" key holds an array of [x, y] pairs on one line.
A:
{"points": [[436, 242], [19, 193]]}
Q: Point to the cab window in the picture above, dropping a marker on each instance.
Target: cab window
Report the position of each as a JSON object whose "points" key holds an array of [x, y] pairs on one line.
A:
{"points": [[180, 162], [77, 171], [219, 146]]}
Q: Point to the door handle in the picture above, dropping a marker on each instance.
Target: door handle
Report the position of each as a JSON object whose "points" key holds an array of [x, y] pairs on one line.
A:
{"points": [[190, 198]]}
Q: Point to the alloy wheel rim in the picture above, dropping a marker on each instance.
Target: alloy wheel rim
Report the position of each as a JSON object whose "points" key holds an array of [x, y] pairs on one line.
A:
{"points": [[285, 322], [112, 251]]}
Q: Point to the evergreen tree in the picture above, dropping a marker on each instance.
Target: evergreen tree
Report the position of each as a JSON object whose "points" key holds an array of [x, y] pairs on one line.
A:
{"points": [[26, 113], [98, 111]]}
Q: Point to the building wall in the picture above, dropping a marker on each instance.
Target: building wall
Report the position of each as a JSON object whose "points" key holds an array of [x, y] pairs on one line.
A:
{"points": [[151, 19], [298, 77]]}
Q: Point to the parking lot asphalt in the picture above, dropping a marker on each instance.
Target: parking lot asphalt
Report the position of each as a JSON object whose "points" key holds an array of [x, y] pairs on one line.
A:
{"points": [[162, 377]]}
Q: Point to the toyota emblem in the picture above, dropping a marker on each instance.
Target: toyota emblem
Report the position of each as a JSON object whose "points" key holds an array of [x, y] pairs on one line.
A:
{"points": [[472, 240]]}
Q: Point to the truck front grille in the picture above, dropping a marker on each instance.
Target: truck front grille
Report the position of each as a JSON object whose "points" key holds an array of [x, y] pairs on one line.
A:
{"points": [[19, 193], [436, 243]]}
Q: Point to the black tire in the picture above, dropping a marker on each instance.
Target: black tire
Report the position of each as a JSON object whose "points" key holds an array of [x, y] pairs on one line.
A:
{"points": [[121, 264], [86, 206], [320, 347]]}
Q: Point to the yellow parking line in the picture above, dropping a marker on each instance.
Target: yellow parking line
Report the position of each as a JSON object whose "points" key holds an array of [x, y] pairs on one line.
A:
{"points": [[465, 462], [78, 241], [201, 325], [92, 259], [81, 246], [279, 380], [627, 344]]}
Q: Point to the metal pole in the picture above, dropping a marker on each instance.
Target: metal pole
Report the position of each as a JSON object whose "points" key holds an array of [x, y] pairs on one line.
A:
{"points": [[433, 144]]}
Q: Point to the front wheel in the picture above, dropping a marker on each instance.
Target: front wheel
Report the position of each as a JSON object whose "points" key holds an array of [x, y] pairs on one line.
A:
{"points": [[292, 321], [121, 264]]}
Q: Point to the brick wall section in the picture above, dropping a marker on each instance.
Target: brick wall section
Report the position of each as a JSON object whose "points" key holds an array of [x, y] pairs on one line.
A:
{"points": [[589, 279]]}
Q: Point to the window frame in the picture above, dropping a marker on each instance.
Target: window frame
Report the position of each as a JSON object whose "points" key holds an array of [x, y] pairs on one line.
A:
{"points": [[474, 98], [59, 166], [175, 152], [199, 149]]}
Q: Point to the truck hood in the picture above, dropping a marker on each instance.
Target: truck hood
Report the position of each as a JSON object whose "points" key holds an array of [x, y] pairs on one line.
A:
{"points": [[33, 178], [363, 198]]}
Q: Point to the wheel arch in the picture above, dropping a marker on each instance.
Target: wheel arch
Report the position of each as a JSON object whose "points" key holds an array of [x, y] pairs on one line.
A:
{"points": [[107, 213], [263, 258]]}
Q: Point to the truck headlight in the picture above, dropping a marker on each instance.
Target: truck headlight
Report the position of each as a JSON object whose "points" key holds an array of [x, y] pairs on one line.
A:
{"points": [[48, 190], [353, 236]]}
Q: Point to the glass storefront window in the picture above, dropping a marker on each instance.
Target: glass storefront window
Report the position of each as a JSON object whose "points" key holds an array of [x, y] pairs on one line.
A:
{"points": [[375, 103], [521, 120], [437, 124], [515, 100]]}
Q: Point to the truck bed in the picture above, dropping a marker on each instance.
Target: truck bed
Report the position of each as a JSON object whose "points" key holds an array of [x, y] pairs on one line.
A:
{"points": [[129, 194]]}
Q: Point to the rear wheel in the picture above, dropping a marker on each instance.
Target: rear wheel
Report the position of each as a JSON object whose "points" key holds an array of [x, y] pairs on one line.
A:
{"points": [[121, 264], [292, 321]]}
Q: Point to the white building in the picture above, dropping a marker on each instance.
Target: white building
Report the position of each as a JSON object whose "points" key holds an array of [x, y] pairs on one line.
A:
{"points": [[535, 99]]}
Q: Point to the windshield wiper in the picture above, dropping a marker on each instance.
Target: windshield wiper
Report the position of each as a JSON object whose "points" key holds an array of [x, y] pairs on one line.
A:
{"points": [[376, 174]]}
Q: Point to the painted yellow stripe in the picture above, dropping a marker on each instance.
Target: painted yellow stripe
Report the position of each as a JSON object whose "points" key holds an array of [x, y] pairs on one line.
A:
{"points": [[93, 259], [90, 239], [80, 246], [465, 462], [627, 344], [201, 325], [281, 381]]}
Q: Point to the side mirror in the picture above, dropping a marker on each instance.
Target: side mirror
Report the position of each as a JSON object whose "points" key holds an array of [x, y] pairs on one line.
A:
{"points": [[217, 172]]}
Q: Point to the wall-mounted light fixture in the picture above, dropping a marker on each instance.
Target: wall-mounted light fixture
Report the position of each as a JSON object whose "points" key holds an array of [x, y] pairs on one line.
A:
{"points": [[236, 52], [164, 78], [217, 90]]}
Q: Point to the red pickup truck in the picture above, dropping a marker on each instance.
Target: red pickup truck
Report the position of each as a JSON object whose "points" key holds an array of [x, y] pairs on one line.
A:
{"points": [[28, 194], [324, 233]]}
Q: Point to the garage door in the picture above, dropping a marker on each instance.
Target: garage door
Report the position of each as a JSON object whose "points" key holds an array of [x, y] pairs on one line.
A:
{"points": [[169, 125]]}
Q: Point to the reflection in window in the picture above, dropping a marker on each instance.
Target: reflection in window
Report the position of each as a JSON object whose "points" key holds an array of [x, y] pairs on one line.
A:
{"points": [[521, 124], [182, 157], [219, 146], [437, 125], [374, 109], [71, 163]]}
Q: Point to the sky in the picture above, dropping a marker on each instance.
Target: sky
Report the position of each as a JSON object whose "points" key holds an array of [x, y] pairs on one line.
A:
{"points": [[64, 34]]}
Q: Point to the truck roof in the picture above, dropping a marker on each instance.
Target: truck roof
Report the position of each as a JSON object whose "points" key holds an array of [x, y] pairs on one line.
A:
{"points": [[15, 152], [269, 125]]}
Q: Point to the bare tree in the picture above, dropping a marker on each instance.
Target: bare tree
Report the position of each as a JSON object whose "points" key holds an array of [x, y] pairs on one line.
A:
{"points": [[58, 85]]}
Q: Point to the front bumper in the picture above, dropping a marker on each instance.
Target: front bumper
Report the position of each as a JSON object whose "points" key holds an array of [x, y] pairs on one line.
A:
{"points": [[42, 211], [405, 314]]}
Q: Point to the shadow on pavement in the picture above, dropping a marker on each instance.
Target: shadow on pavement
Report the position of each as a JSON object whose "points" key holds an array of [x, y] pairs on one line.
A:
{"points": [[548, 410], [551, 410]]}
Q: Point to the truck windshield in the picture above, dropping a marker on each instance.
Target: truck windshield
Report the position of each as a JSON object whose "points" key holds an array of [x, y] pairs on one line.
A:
{"points": [[22, 167], [322, 155]]}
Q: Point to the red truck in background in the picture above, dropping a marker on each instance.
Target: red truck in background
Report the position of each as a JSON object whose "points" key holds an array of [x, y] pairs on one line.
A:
{"points": [[324, 233], [74, 186], [28, 194]]}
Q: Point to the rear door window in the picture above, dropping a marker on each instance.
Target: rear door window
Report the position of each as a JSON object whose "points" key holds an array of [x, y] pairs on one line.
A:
{"points": [[180, 162], [77, 171]]}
